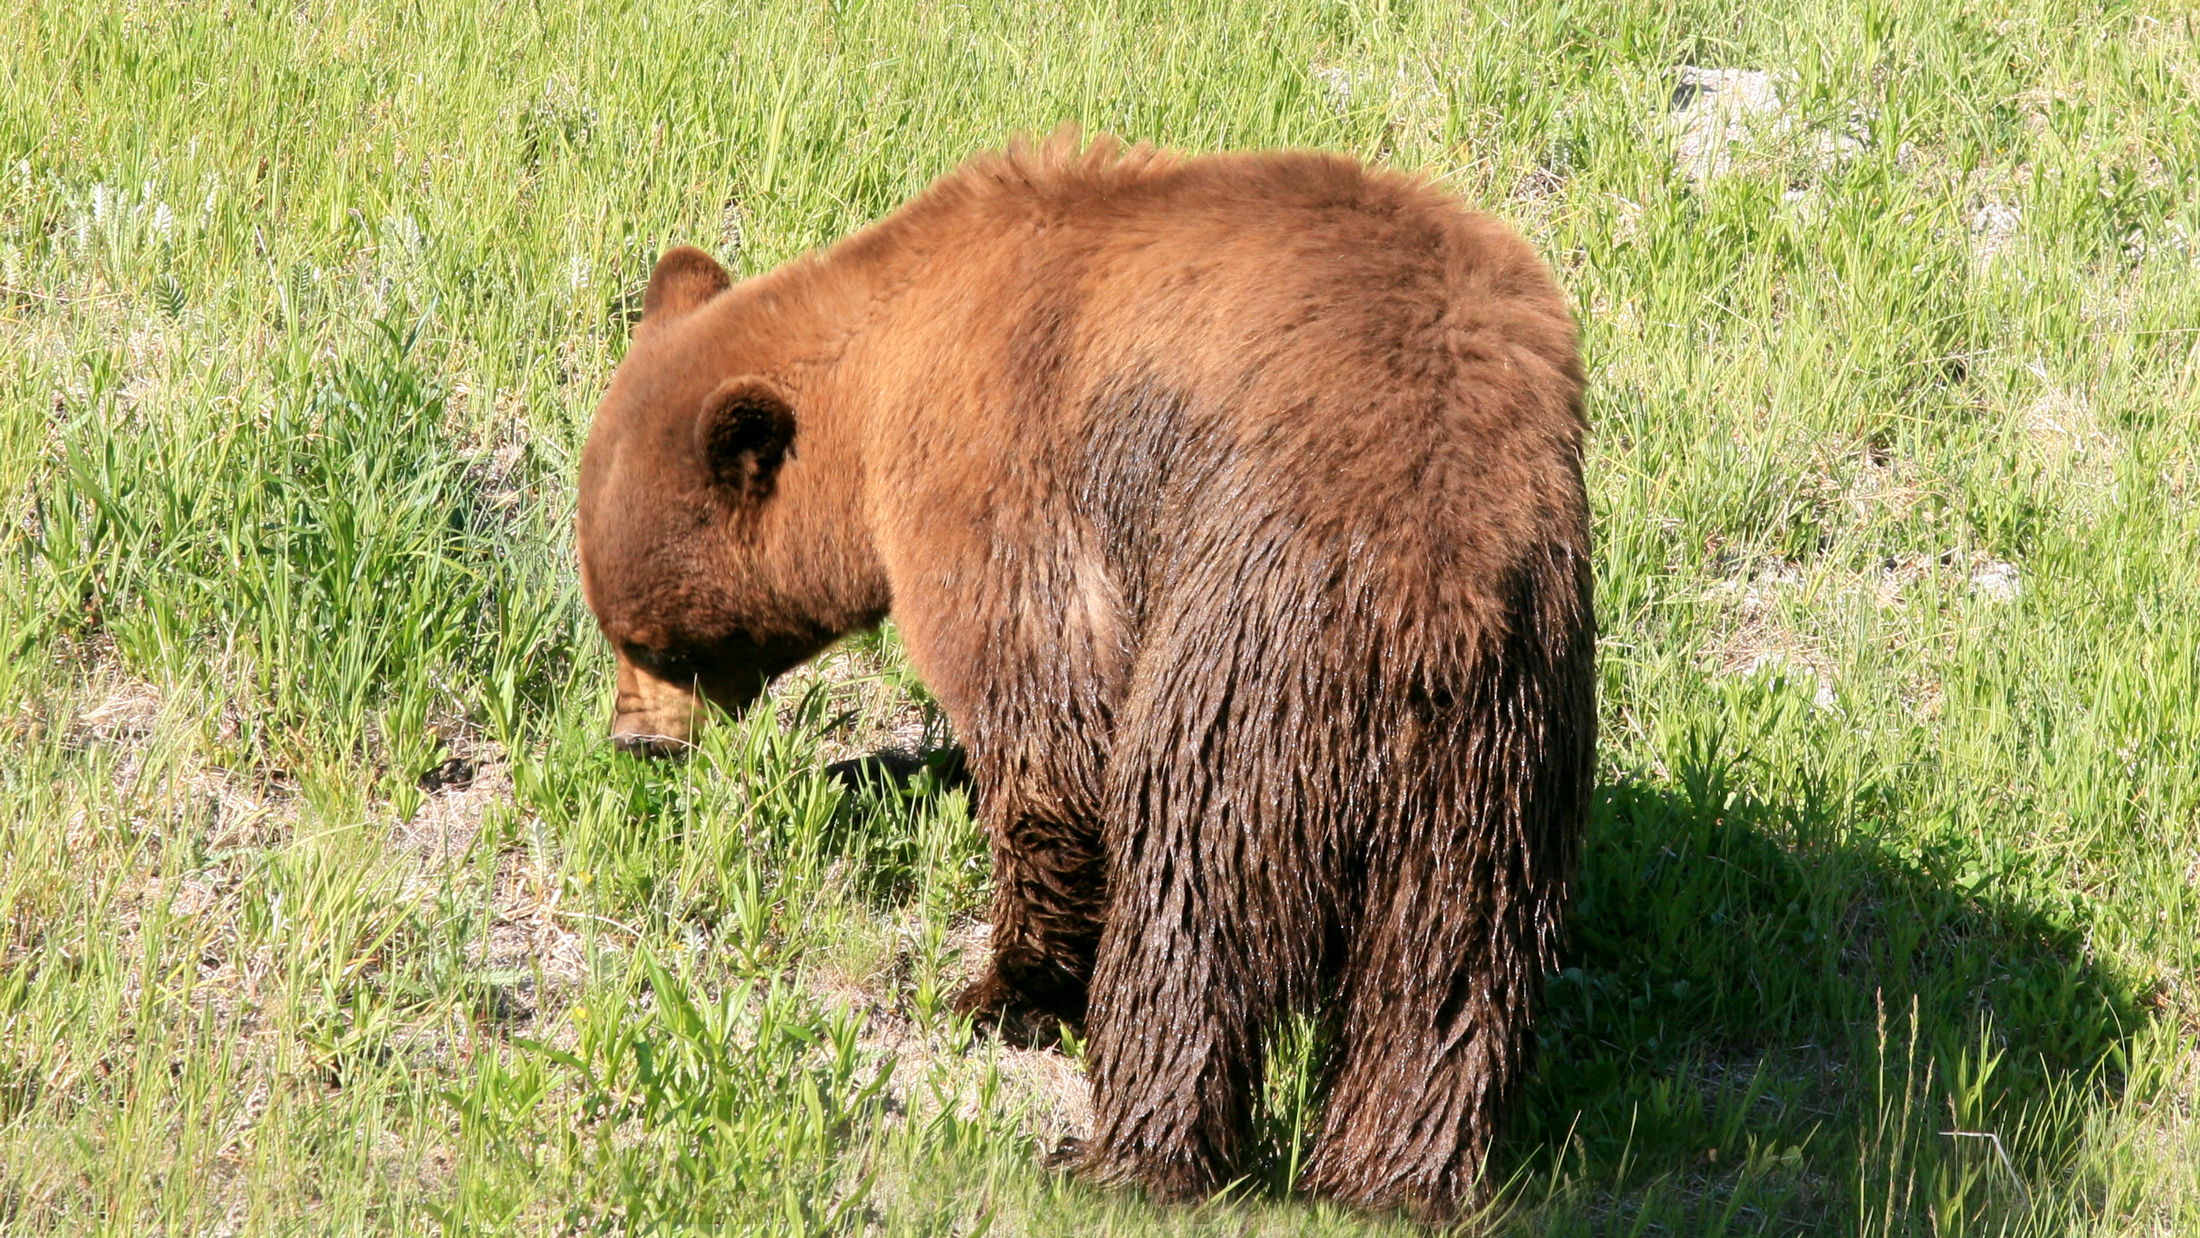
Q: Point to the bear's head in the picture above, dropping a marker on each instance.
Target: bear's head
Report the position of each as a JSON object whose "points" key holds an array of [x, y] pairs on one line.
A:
{"points": [[680, 467]]}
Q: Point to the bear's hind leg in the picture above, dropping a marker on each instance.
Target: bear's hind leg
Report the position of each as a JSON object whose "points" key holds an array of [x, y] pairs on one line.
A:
{"points": [[1176, 1043], [1434, 1035], [1205, 947], [1049, 886], [1222, 881], [1467, 865]]}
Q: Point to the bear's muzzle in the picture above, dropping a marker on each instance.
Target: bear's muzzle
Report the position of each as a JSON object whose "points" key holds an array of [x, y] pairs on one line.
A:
{"points": [[658, 715], [654, 717]]}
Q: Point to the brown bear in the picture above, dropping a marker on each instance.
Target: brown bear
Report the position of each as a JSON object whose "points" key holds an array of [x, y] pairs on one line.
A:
{"points": [[1232, 507]]}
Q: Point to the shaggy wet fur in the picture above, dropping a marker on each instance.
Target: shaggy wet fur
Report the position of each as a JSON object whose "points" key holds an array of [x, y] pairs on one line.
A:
{"points": [[1232, 507]]}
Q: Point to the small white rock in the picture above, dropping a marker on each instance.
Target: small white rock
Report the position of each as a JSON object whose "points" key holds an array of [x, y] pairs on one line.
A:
{"points": [[1998, 580], [1339, 83], [1714, 109], [1995, 226]]}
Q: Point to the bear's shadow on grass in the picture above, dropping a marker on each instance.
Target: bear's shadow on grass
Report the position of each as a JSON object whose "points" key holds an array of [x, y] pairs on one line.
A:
{"points": [[1751, 1020], [1747, 1006], [896, 767]]}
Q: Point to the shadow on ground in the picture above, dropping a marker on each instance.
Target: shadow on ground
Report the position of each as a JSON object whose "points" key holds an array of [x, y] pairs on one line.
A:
{"points": [[898, 768], [1760, 1029]]}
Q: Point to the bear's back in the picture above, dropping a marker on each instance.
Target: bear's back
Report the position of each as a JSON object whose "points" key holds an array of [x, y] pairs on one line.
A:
{"points": [[1281, 354]]}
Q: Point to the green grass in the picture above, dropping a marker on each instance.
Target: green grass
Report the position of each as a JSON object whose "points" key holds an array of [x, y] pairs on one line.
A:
{"points": [[303, 312]]}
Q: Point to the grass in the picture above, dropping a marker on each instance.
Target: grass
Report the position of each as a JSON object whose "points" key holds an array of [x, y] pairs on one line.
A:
{"points": [[1888, 923]]}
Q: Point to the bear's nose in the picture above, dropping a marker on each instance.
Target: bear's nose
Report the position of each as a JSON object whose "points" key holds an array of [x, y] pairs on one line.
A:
{"points": [[645, 744]]}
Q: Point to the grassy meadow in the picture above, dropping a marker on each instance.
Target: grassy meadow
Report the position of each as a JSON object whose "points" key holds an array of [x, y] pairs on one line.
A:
{"points": [[1890, 915]]}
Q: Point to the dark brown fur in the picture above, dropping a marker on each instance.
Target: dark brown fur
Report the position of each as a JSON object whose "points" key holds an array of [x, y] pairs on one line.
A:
{"points": [[1232, 507]]}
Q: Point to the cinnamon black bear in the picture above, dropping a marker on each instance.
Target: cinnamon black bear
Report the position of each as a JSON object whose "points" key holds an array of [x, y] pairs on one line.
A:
{"points": [[1232, 507]]}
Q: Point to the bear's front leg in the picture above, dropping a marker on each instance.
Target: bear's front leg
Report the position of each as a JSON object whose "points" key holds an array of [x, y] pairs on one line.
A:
{"points": [[1049, 891]]}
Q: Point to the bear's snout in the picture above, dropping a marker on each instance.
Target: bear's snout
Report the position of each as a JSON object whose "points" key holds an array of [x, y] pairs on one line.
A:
{"points": [[640, 742], [654, 717]]}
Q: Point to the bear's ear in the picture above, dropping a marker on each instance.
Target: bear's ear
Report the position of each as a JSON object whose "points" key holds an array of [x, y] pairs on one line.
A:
{"points": [[745, 430], [685, 278]]}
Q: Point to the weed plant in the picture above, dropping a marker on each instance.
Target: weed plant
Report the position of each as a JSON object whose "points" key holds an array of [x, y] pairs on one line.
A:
{"points": [[1888, 919]]}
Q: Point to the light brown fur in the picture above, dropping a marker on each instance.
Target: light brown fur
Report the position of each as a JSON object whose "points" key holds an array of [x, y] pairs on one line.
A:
{"points": [[1232, 508]]}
